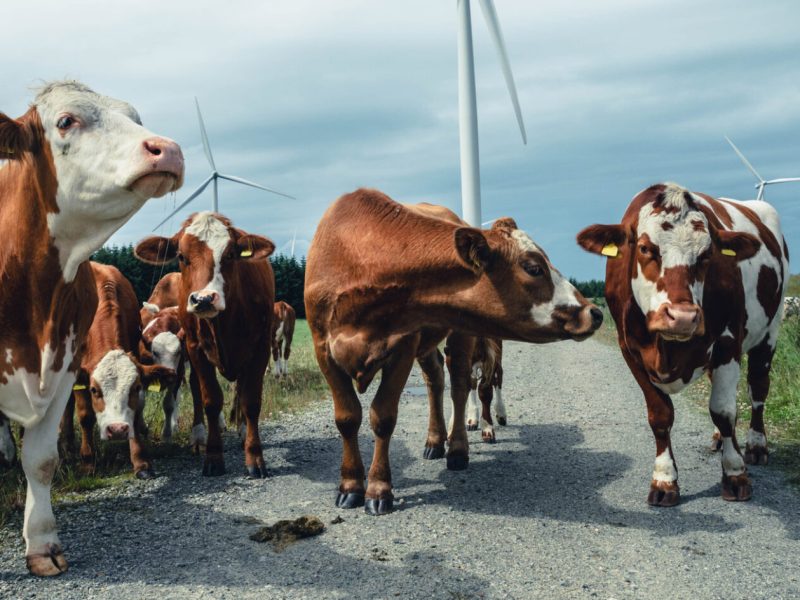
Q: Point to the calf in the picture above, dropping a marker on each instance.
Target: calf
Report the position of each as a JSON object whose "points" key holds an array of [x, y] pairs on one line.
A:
{"points": [[225, 307], [385, 283], [486, 385], [110, 387], [79, 165], [693, 283], [282, 332], [164, 295]]}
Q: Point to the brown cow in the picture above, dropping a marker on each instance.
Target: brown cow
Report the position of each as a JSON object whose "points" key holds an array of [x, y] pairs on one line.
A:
{"points": [[282, 333], [693, 283], [385, 283], [225, 307], [79, 166], [164, 295], [111, 382]]}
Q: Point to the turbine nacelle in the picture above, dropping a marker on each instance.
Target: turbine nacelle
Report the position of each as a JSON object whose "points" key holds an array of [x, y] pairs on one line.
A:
{"points": [[762, 183]]}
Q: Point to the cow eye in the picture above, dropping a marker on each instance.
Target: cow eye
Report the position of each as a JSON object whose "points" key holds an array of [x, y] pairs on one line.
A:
{"points": [[93, 390], [65, 122], [533, 269], [644, 250]]}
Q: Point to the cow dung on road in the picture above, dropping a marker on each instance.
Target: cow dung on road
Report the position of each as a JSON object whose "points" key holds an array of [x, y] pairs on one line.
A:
{"points": [[286, 532]]}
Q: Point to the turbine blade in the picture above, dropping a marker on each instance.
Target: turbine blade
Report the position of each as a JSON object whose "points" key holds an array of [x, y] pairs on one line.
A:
{"points": [[490, 15], [204, 135], [744, 160], [255, 185], [193, 195], [782, 180]]}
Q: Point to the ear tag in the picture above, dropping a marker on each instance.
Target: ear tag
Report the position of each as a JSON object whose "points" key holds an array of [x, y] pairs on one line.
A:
{"points": [[610, 250], [728, 252], [78, 387], [246, 253], [155, 386]]}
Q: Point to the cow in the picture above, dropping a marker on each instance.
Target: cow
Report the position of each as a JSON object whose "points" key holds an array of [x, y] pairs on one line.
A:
{"points": [[486, 383], [164, 295], [282, 333], [78, 166], [225, 307], [112, 379], [791, 307], [385, 283], [693, 283]]}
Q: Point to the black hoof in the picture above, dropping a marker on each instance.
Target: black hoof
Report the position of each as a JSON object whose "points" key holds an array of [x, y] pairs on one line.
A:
{"points": [[471, 427], [351, 500], [502, 421], [433, 452], [145, 474], [457, 462], [378, 506], [257, 472], [213, 469]]}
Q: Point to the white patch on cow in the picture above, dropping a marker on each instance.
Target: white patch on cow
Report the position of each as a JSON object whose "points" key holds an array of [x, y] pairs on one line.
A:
{"points": [[673, 387], [214, 234], [166, 348], [473, 408], [664, 468], [727, 332], [724, 381], [151, 308], [757, 405], [198, 435], [222, 424], [115, 374], [8, 449], [499, 406], [9, 355], [149, 325], [279, 333], [732, 461], [756, 439], [487, 429]]}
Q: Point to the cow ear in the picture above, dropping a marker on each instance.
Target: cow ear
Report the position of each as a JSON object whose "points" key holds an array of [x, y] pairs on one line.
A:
{"points": [[505, 223], [156, 250], [164, 375], [16, 136], [603, 239], [81, 381], [736, 244], [472, 248], [145, 356], [151, 308], [252, 246]]}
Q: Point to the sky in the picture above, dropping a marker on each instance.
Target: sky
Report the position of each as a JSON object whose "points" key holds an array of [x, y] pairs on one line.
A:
{"points": [[317, 98]]}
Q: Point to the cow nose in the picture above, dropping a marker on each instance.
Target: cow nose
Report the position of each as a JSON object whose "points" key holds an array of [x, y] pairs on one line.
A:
{"points": [[165, 154], [202, 301], [117, 431], [682, 315], [597, 317]]}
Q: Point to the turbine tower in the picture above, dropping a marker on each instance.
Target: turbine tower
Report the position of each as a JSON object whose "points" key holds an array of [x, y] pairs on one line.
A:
{"points": [[762, 183], [467, 106], [214, 177]]}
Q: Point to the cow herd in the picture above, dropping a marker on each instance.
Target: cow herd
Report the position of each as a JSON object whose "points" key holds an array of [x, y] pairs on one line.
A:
{"points": [[693, 283]]}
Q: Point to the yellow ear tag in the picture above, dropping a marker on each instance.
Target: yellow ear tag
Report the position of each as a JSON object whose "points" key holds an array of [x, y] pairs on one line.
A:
{"points": [[728, 252], [246, 253], [610, 250], [78, 387], [155, 386]]}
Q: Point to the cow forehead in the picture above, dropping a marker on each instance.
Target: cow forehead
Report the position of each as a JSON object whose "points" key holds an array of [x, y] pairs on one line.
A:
{"points": [[78, 99], [115, 372], [681, 235], [524, 241], [167, 342], [212, 232]]}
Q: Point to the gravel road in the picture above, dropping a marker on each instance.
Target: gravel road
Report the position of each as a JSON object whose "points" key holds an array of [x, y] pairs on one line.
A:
{"points": [[555, 509]]}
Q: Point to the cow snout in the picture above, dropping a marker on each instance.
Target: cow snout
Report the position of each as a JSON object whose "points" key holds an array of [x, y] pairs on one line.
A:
{"points": [[597, 316], [678, 321], [117, 431], [579, 322], [204, 303]]}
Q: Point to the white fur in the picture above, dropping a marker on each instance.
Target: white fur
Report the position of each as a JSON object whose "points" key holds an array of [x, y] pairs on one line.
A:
{"points": [[673, 387], [732, 461], [150, 307], [166, 349], [499, 406], [724, 381], [664, 468], [756, 439], [473, 408], [198, 435], [212, 232], [487, 428], [115, 374]]}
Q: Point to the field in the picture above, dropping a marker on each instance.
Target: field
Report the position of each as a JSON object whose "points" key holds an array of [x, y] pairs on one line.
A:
{"points": [[304, 386]]}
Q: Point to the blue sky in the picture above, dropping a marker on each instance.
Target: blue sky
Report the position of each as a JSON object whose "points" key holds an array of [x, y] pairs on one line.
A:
{"points": [[319, 98]]}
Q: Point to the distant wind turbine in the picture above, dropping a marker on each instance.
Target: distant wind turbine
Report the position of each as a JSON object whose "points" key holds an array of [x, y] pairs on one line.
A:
{"points": [[294, 239], [467, 113], [762, 183], [215, 175]]}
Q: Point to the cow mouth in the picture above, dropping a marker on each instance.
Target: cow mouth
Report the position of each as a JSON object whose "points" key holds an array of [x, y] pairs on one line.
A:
{"points": [[674, 337], [205, 314], [155, 184]]}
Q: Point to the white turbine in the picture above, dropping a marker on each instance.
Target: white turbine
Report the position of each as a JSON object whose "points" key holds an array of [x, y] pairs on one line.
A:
{"points": [[762, 183], [214, 177], [467, 113], [294, 239]]}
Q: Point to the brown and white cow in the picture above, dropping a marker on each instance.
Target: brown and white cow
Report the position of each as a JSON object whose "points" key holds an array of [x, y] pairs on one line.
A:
{"points": [[79, 165], [693, 283], [164, 295], [111, 382], [385, 283], [486, 385], [282, 333], [225, 307]]}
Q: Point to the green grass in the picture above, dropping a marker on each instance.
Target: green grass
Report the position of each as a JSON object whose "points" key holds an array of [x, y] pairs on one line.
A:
{"points": [[304, 385], [794, 286]]}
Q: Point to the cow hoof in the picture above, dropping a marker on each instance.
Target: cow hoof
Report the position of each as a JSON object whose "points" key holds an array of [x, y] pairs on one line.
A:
{"points": [[736, 488], [472, 427], [433, 452], [488, 437], [502, 421], [145, 474], [213, 469], [257, 472], [378, 506], [664, 494], [457, 462], [47, 564], [349, 500], [756, 455]]}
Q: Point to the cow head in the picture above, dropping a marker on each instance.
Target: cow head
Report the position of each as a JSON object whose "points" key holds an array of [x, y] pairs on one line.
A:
{"points": [[116, 386], [539, 303], [207, 248], [162, 338], [669, 243]]}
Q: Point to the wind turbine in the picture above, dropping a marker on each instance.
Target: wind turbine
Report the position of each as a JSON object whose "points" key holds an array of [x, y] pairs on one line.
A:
{"points": [[214, 177], [467, 110], [762, 183]]}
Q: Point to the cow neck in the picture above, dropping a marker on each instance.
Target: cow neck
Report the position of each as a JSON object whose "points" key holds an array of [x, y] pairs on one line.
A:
{"points": [[108, 328]]}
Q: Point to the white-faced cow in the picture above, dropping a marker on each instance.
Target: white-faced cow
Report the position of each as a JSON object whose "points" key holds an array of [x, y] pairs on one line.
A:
{"points": [[79, 165], [225, 306], [282, 333], [111, 382], [693, 283], [385, 283]]}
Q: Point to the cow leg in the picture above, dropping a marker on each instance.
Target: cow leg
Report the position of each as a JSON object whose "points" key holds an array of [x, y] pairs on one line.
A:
{"points": [[198, 438], [86, 420], [142, 467], [287, 349], [432, 365], [249, 389], [473, 406], [67, 427], [485, 393], [383, 418], [459, 356], [170, 406], [724, 381], [211, 394], [43, 552], [499, 405], [758, 367]]}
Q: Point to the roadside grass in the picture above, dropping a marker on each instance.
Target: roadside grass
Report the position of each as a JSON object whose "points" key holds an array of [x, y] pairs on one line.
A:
{"points": [[304, 386]]}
